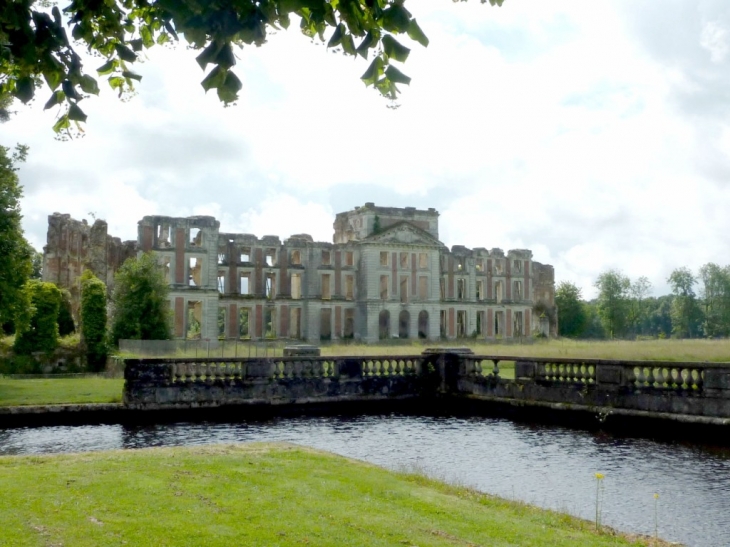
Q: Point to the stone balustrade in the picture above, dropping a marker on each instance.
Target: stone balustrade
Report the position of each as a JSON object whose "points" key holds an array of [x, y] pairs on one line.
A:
{"points": [[695, 389]]}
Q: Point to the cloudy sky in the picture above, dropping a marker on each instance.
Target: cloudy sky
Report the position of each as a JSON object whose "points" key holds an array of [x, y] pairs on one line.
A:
{"points": [[594, 133]]}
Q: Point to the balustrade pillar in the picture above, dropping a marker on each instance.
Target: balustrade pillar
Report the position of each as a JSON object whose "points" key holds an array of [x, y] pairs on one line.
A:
{"points": [[717, 383]]}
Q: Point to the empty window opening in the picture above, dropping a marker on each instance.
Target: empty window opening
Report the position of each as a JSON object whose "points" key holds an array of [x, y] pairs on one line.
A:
{"points": [[245, 255], [296, 258], [461, 324], [498, 267], [383, 258], [244, 330], [404, 261], [244, 286], [349, 332], [325, 324], [326, 290], [404, 288], [442, 323], [163, 235], [196, 237], [423, 287], [404, 324], [517, 266], [480, 264], [517, 290], [296, 286], [460, 264], [270, 256], [222, 322], [480, 323], [349, 258], [499, 290], [349, 287], [442, 261], [423, 260], [384, 287], [270, 285], [461, 289], [194, 318], [499, 323], [165, 265], [384, 325], [423, 325], [221, 258], [195, 271], [480, 290], [517, 324], [295, 324], [269, 322], [326, 258], [221, 282], [442, 288]]}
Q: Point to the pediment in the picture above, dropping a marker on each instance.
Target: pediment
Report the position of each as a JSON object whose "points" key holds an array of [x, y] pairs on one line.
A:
{"points": [[405, 234]]}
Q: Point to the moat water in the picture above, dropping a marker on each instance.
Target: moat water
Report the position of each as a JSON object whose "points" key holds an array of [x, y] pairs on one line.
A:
{"points": [[547, 466]]}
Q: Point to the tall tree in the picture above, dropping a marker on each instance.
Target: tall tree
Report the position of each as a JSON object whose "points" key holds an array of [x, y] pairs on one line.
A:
{"points": [[140, 309], [93, 320], [638, 292], [36, 47], [714, 284], [613, 299], [15, 253], [37, 324], [571, 311], [686, 313]]}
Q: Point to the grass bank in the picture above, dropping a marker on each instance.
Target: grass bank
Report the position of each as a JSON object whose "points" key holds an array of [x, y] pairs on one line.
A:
{"points": [[259, 495], [54, 391]]}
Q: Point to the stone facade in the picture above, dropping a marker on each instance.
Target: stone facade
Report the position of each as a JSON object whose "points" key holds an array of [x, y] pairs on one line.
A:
{"points": [[73, 246], [386, 276]]}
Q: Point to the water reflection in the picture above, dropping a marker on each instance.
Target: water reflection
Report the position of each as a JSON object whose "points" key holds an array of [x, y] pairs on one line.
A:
{"points": [[548, 466]]}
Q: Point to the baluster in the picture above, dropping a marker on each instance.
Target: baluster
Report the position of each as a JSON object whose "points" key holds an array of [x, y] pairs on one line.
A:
{"points": [[377, 368], [390, 367], [700, 379], [477, 368], [579, 373], [631, 376], [659, 377], [650, 377], [317, 369], [177, 372], [495, 369]]}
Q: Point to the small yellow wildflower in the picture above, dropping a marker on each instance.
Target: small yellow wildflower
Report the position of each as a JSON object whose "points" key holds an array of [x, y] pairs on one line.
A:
{"points": [[656, 496], [599, 476]]}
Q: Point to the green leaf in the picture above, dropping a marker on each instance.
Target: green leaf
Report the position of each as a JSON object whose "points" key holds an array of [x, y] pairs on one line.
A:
{"points": [[366, 44], [76, 114], [62, 123], [396, 76], [57, 97], [348, 45], [228, 91], [337, 36], [215, 78], [284, 21], [374, 71], [69, 90], [107, 68], [24, 89], [208, 54], [116, 82], [415, 33], [125, 54], [136, 44], [396, 19], [89, 85], [394, 50], [146, 35], [132, 75], [225, 57]]}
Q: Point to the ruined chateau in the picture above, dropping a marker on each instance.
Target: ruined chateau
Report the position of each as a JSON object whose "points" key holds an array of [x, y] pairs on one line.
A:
{"points": [[386, 275]]}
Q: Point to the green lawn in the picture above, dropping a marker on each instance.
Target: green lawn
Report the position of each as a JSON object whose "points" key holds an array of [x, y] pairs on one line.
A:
{"points": [[259, 495], [51, 391]]}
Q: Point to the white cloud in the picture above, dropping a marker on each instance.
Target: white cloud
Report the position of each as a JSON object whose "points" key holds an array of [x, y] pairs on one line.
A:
{"points": [[542, 125]]}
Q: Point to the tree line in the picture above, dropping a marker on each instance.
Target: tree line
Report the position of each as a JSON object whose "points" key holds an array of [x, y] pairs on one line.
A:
{"points": [[697, 307]]}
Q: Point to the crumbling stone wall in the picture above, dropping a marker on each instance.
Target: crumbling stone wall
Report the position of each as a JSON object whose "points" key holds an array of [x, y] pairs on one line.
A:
{"points": [[73, 246]]}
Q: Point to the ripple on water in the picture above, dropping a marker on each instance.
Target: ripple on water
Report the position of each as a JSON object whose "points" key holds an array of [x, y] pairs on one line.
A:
{"points": [[549, 466]]}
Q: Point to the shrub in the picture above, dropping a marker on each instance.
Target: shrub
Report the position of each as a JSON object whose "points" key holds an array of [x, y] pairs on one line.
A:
{"points": [[140, 309], [93, 320], [37, 324], [66, 324]]}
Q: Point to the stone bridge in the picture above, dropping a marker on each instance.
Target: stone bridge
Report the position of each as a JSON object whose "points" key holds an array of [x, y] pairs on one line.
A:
{"points": [[687, 392]]}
